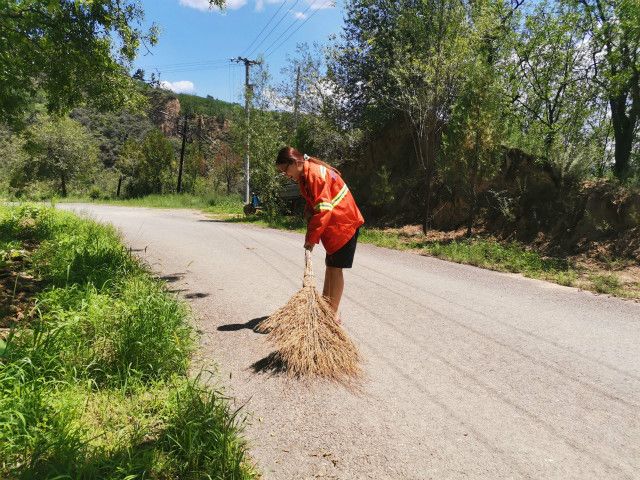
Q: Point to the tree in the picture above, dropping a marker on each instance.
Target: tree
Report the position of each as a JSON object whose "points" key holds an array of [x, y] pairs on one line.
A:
{"points": [[227, 167], [70, 51], [406, 59], [138, 75], [552, 89], [60, 149], [476, 126], [317, 127], [267, 136], [12, 159], [147, 165], [112, 129], [614, 41]]}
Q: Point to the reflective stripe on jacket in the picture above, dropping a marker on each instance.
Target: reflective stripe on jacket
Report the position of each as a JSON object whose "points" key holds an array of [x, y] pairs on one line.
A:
{"points": [[335, 215]]}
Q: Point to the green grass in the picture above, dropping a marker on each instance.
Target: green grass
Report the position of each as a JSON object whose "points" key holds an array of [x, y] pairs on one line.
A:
{"points": [[293, 223], [481, 252], [604, 283], [231, 204], [508, 257], [94, 384]]}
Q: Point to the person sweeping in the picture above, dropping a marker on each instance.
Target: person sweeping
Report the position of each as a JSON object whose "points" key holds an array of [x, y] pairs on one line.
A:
{"points": [[331, 213], [306, 331]]}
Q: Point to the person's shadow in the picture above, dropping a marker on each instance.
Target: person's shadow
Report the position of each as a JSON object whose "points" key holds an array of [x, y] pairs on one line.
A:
{"points": [[251, 325]]}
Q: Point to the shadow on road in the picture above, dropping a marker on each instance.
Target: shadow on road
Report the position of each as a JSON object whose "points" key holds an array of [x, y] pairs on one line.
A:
{"points": [[251, 325], [272, 364], [174, 277], [196, 295]]}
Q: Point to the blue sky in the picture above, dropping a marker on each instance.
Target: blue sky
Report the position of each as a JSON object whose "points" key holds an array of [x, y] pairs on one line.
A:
{"points": [[196, 42]]}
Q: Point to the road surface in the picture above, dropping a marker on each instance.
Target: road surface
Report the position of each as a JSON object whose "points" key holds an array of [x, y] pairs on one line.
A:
{"points": [[470, 374]]}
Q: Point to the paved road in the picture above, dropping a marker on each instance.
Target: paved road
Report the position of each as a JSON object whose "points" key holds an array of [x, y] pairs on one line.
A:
{"points": [[470, 373]]}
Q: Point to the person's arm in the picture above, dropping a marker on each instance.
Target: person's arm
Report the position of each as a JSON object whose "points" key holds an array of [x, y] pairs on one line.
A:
{"points": [[318, 188], [307, 212]]}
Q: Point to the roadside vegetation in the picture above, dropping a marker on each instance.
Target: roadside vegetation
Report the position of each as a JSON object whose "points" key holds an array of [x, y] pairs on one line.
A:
{"points": [[212, 203], [614, 277], [94, 355]]}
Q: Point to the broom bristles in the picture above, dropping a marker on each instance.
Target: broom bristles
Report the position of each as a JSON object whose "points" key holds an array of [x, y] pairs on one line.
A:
{"points": [[310, 342]]}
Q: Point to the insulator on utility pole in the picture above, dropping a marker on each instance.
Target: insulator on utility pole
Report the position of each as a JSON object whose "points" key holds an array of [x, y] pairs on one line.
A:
{"points": [[248, 91]]}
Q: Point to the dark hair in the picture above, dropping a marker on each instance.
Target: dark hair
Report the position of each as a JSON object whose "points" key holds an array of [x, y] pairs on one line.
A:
{"points": [[289, 155]]}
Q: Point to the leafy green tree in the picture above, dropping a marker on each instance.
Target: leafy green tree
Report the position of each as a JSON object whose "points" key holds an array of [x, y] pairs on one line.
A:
{"points": [[267, 136], [112, 129], [61, 150], [552, 89], [476, 127], [71, 51], [148, 165], [614, 43], [315, 124], [12, 159], [406, 59]]}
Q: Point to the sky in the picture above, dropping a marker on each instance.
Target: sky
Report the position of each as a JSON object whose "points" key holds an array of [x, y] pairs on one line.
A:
{"points": [[196, 42]]}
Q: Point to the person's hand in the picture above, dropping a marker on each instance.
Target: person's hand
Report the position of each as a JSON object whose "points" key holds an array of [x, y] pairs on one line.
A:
{"points": [[309, 246]]}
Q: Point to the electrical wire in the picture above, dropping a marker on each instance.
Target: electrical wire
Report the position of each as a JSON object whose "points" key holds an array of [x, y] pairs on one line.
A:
{"points": [[273, 28], [269, 51], [265, 27]]}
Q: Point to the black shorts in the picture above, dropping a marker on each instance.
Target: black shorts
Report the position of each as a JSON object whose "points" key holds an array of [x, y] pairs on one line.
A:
{"points": [[343, 258]]}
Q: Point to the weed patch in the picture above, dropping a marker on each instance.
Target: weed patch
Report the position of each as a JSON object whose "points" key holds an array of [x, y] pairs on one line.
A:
{"points": [[94, 384]]}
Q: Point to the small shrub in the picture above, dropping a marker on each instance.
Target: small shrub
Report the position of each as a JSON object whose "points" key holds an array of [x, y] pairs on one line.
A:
{"points": [[202, 435], [605, 283]]}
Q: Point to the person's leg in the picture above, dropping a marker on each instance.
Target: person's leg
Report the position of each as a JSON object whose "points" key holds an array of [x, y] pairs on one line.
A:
{"points": [[333, 286]]}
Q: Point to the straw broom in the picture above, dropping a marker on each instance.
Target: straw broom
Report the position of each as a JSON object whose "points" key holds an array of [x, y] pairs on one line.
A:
{"points": [[309, 341]]}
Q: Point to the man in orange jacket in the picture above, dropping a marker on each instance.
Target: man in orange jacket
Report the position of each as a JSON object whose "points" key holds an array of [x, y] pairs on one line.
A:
{"points": [[331, 212]]}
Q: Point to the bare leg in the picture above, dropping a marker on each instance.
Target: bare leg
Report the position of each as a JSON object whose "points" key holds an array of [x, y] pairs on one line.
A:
{"points": [[333, 286]]}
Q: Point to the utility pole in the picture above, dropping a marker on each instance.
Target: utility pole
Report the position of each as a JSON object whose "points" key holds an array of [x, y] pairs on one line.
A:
{"points": [[184, 142], [296, 102], [248, 90]]}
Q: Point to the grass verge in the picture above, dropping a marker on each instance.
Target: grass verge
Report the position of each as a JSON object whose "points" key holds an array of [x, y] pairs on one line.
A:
{"points": [[231, 204], [93, 380], [619, 279]]}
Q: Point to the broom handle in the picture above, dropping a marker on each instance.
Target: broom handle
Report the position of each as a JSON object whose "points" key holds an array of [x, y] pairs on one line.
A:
{"points": [[308, 269]]}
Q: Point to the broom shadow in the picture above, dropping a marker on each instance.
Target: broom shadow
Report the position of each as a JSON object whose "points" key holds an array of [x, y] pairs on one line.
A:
{"points": [[272, 364], [251, 325]]}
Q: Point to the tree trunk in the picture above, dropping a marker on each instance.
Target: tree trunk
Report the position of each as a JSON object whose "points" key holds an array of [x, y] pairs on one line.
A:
{"points": [[431, 150], [63, 185], [184, 142], [119, 186], [623, 128], [473, 183]]}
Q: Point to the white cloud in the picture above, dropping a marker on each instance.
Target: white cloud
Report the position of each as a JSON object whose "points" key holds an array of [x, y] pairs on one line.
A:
{"points": [[181, 86], [299, 15], [203, 5], [321, 4], [235, 4], [261, 3]]}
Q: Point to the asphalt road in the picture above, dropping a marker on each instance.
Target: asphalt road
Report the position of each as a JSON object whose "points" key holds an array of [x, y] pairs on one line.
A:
{"points": [[469, 373]]}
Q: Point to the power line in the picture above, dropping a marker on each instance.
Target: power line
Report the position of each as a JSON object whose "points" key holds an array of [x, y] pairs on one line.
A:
{"points": [[193, 63], [273, 28], [265, 26], [194, 69], [270, 51]]}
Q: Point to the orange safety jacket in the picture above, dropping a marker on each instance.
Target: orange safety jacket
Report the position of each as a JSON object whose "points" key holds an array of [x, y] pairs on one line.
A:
{"points": [[335, 217]]}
